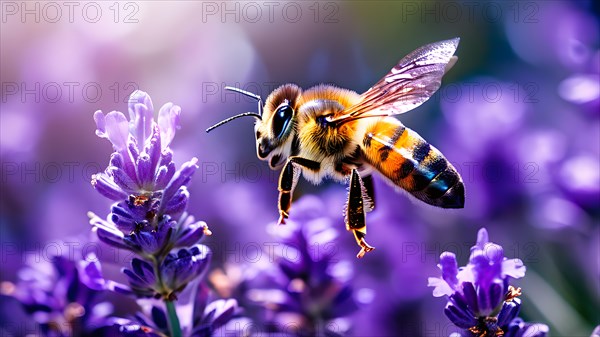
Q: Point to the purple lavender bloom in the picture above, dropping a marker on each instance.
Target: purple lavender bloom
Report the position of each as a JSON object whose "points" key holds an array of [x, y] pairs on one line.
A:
{"points": [[480, 299], [307, 290], [150, 219], [63, 296], [163, 277], [181, 267], [142, 278], [148, 240], [150, 193]]}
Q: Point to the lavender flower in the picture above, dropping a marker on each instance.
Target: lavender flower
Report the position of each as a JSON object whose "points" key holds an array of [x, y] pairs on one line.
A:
{"points": [[480, 299], [62, 296], [149, 218], [176, 271], [151, 195], [307, 291]]}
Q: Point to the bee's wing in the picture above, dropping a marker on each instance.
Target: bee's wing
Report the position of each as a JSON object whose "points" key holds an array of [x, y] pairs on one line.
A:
{"points": [[409, 84]]}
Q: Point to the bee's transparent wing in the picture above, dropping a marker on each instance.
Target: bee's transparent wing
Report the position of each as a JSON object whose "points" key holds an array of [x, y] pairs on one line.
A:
{"points": [[409, 84]]}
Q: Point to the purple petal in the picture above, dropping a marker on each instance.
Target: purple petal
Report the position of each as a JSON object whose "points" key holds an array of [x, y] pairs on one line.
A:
{"points": [[182, 177], [111, 239], [159, 317], [100, 124], [116, 160], [154, 149], [496, 295], [166, 157], [164, 175], [145, 171], [186, 264], [482, 238], [460, 318], [91, 274], [493, 252], [223, 311], [441, 287], [513, 268], [122, 179], [470, 295], [107, 188], [178, 203], [509, 311], [191, 235], [483, 300], [141, 115], [133, 150], [144, 270], [485, 272], [466, 274], [98, 222], [535, 330], [134, 279], [200, 301], [518, 328], [449, 268], [168, 122], [117, 130]]}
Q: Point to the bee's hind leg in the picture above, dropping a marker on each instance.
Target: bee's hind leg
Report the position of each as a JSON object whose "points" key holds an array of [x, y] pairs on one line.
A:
{"points": [[359, 203], [369, 189], [287, 182]]}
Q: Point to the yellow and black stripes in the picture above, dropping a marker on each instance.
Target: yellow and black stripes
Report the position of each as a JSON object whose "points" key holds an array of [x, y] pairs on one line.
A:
{"points": [[411, 163], [385, 150]]}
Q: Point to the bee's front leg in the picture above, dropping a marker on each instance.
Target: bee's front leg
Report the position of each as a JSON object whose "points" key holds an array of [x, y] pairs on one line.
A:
{"points": [[287, 182], [358, 204]]}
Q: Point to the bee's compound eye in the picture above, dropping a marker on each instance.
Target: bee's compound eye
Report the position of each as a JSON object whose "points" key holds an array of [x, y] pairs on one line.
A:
{"points": [[281, 120]]}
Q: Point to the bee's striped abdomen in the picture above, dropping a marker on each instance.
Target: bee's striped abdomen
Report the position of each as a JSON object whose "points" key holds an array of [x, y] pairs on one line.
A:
{"points": [[411, 163]]}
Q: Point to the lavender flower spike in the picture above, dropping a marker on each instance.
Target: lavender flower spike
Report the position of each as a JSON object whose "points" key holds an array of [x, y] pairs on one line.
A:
{"points": [[150, 193], [142, 162], [63, 296], [480, 299]]}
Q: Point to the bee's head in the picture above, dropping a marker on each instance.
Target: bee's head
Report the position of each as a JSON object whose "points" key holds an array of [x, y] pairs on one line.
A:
{"points": [[274, 131], [275, 123]]}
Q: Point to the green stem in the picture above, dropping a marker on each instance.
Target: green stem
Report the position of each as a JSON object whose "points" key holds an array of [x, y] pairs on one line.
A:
{"points": [[173, 319]]}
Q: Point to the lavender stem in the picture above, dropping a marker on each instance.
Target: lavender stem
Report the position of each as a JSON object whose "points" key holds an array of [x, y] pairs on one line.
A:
{"points": [[173, 319]]}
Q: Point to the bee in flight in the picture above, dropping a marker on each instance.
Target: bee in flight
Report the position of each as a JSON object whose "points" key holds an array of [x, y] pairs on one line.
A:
{"points": [[327, 131]]}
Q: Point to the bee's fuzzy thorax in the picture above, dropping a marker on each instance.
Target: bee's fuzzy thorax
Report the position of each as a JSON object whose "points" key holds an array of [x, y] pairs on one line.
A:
{"points": [[344, 97]]}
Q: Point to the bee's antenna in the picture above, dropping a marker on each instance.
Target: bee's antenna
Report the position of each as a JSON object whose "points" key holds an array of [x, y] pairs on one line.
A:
{"points": [[252, 114], [249, 94]]}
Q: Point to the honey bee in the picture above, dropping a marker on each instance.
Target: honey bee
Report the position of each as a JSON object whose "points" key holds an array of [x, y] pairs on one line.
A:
{"points": [[330, 132]]}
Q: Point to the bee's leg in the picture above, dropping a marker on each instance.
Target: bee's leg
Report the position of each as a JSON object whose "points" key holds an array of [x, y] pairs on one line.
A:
{"points": [[356, 208], [369, 190], [287, 182]]}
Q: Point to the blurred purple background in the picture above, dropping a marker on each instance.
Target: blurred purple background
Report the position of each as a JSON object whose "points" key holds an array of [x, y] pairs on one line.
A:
{"points": [[518, 116]]}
